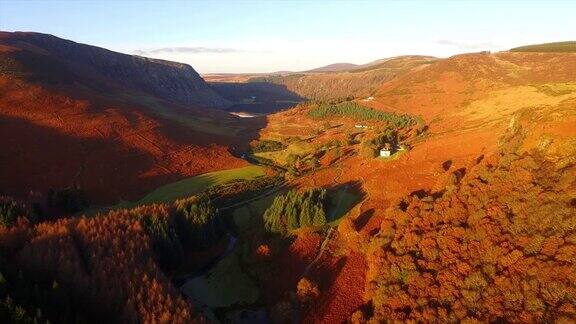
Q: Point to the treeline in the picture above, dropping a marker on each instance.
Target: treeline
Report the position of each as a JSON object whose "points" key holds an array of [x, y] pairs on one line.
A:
{"points": [[352, 109], [10, 211], [57, 202], [296, 210]]}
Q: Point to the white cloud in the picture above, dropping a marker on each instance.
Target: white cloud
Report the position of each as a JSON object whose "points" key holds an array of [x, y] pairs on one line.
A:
{"points": [[468, 45], [185, 49]]}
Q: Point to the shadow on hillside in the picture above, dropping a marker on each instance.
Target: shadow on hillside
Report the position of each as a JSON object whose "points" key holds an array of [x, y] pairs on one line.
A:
{"points": [[343, 198], [37, 158], [142, 149], [257, 96], [363, 219]]}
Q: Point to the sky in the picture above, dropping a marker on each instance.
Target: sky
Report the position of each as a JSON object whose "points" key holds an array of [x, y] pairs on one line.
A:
{"points": [[238, 36]]}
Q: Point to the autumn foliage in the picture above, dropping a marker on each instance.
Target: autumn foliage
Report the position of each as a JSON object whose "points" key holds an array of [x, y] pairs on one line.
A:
{"points": [[103, 267], [495, 242]]}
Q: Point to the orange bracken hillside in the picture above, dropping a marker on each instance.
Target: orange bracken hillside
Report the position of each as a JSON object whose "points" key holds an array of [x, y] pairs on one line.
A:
{"points": [[78, 115], [444, 231]]}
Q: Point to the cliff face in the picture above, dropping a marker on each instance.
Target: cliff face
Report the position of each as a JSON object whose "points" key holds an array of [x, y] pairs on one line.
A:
{"points": [[175, 82]]}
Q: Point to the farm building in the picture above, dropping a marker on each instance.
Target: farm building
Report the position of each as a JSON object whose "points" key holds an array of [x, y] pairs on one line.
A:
{"points": [[385, 152]]}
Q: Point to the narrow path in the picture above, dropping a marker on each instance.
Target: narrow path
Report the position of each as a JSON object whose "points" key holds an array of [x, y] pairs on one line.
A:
{"points": [[323, 247]]}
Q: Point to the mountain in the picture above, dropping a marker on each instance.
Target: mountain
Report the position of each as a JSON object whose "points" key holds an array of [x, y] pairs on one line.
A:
{"points": [[171, 81], [336, 67], [270, 92], [114, 124]]}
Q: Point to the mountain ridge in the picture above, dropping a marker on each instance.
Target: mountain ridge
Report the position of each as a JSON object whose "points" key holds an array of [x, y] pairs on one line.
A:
{"points": [[172, 81]]}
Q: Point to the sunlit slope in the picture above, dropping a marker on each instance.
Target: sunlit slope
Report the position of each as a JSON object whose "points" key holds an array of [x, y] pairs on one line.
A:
{"points": [[558, 47], [92, 121], [360, 81]]}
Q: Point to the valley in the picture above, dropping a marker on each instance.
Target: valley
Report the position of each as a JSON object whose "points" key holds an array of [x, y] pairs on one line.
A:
{"points": [[409, 189]]}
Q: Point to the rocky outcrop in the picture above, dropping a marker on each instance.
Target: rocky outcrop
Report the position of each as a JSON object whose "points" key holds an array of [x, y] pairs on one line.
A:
{"points": [[175, 82]]}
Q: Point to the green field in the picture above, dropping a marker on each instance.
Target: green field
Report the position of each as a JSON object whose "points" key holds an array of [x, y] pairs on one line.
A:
{"points": [[280, 157], [194, 185], [559, 47]]}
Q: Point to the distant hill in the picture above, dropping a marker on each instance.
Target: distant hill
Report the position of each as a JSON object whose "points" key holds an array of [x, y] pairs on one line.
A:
{"points": [[116, 125], [558, 47], [360, 81], [336, 67]]}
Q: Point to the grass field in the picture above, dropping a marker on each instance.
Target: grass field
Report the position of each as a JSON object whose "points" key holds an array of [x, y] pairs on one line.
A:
{"points": [[502, 104], [195, 185], [280, 157]]}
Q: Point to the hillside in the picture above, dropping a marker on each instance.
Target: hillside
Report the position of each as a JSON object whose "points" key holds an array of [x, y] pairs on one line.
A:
{"points": [[444, 233], [361, 81], [558, 47], [266, 93], [114, 124], [336, 67], [41, 55], [446, 197]]}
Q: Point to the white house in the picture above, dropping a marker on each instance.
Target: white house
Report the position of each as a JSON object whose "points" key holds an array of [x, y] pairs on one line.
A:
{"points": [[385, 152]]}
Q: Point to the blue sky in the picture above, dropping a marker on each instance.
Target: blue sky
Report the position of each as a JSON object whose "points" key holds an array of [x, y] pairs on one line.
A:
{"points": [[265, 36]]}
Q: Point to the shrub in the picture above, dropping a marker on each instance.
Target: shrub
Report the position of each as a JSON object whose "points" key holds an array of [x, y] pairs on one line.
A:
{"points": [[307, 290], [69, 200], [10, 210]]}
